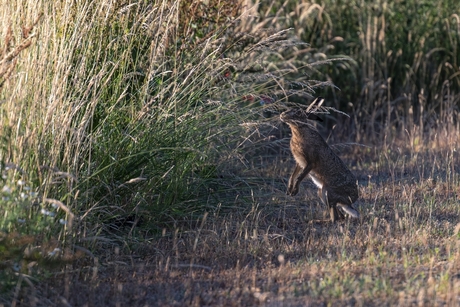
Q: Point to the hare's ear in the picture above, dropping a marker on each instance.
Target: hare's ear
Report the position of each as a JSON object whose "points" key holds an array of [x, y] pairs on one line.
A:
{"points": [[314, 117], [315, 104], [318, 102]]}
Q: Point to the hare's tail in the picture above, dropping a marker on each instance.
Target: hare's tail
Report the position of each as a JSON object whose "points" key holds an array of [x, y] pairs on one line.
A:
{"points": [[349, 210]]}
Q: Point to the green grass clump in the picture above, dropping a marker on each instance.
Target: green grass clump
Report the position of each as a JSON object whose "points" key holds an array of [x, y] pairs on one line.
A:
{"points": [[112, 105]]}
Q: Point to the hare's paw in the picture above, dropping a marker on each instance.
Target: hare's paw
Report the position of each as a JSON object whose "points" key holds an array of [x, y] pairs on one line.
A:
{"points": [[349, 210], [292, 191]]}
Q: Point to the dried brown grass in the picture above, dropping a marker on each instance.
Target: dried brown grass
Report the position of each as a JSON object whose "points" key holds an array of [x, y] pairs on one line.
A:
{"points": [[403, 251]]}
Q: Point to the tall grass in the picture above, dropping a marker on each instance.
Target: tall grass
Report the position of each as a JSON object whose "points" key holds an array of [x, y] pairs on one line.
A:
{"points": [[103, 105], [403, 60]]}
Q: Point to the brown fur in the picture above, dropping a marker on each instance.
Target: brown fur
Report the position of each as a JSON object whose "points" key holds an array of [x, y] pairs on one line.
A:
{"points": [[313, 156]]}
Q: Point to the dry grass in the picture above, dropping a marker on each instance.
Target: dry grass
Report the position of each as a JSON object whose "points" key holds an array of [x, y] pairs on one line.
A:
{"points": [[403, 251]]}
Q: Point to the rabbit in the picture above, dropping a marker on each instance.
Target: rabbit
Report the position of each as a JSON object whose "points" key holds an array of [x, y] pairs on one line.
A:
{"points": [[337, 186]]}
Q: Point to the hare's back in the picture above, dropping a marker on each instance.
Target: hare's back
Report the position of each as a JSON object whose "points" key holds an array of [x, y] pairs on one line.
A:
{"points": [[333, 171]]}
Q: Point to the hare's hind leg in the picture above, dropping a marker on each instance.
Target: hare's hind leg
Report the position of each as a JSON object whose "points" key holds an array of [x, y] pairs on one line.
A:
{"points": [[346, 204], [349, 210], [332, 205], [335, 214]]}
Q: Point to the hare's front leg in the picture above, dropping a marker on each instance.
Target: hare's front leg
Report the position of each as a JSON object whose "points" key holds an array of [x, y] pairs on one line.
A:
{"points": [[297, 176], [291, 190]]}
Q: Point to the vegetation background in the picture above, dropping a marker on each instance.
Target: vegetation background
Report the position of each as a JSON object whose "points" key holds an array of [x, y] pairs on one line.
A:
{"points": [[143, 161]]}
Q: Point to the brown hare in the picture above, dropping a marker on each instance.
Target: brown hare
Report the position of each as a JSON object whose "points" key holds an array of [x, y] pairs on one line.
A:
{"points": [[337, 185]]}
